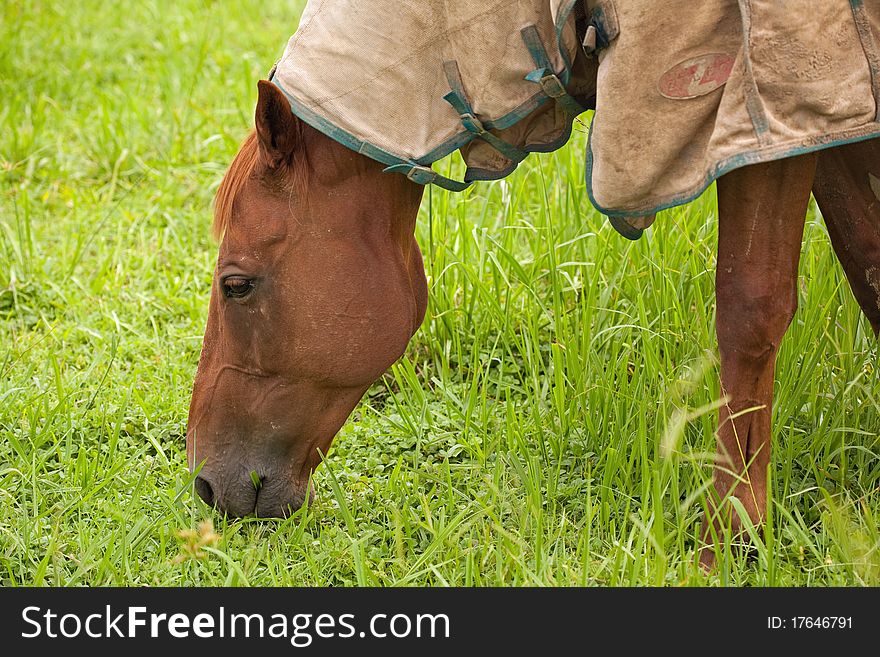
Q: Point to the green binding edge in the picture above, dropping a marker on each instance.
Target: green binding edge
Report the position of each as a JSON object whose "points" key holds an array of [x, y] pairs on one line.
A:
{"points": [[862, 133], [418, 169], [618, 217]]}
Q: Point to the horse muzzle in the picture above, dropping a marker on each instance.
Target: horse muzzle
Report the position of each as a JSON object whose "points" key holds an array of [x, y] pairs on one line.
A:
{"points": [[248, 494]]}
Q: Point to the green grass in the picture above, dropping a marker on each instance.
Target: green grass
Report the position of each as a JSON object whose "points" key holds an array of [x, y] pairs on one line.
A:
{"points": [[550, 424]]}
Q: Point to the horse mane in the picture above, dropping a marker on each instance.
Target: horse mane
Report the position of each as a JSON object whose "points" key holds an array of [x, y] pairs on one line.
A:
{"points": [[239, 171], [242, 168]]}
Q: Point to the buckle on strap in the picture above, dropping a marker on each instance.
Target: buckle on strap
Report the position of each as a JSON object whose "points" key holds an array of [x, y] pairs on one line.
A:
{"points": [[419, 174], [423, 175], [473, 124], [457, 97], [544, 75], [549, 82]]}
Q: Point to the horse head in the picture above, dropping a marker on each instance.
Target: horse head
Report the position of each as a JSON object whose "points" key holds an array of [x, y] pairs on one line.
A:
{"points": [[318, 287]]}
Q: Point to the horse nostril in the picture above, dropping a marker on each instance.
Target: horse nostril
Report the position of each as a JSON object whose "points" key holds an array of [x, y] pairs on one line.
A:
{"points": [[203, 488]]}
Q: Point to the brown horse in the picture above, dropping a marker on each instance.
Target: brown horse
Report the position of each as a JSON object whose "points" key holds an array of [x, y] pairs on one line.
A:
{"points": [[320, 284]]}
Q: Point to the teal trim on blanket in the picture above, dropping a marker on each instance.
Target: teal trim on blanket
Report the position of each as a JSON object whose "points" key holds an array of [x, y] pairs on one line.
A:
{"points": [[460, 102], [426, 176], [863, 133], [561, 20], [754, 106], [418, 168], [544, 75], [603, 36], [336, 133], [413, 169], [473, 174], [462, 138]]}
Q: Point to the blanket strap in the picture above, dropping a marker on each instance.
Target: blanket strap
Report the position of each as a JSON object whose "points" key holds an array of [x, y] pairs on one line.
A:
{"points": [[426, 175], [459, 100], [418, 173], [544, 75]]}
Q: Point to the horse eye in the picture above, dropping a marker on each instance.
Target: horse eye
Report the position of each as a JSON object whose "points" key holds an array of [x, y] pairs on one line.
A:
{"points": [[237, 287]]}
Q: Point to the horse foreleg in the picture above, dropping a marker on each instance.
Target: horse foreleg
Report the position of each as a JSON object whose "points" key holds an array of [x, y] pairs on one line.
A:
{"points": [[847, 189], [761, 221]]}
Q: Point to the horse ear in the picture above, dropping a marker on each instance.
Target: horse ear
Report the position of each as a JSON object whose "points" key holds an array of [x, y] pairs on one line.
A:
{"points": [[277, 129]]}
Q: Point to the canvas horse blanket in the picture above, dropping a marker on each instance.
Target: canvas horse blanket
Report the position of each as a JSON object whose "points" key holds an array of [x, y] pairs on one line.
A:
{"points": [[683, 91]]}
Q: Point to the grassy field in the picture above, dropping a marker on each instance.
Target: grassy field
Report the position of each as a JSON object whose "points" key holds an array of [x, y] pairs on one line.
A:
{"points": [[550, 424]]}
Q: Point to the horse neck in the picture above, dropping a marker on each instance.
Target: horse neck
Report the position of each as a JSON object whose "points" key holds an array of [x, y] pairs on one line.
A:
{"points": [[388, 199]]}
